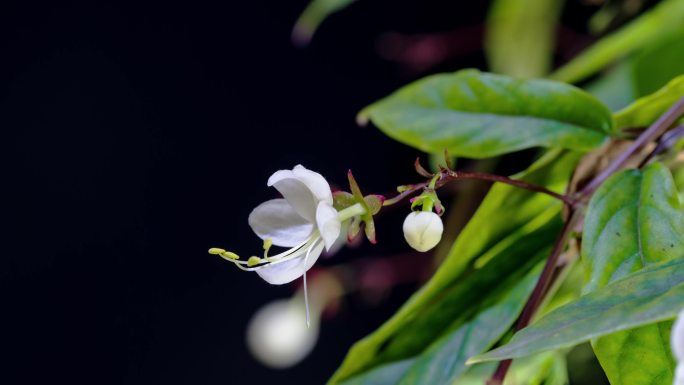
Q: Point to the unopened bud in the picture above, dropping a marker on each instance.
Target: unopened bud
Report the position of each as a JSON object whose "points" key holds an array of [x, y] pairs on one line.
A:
{"points": [[423, 230]]}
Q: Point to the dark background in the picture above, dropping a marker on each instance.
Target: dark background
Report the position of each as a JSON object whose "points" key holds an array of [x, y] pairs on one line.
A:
{"points": [[138, 135]]}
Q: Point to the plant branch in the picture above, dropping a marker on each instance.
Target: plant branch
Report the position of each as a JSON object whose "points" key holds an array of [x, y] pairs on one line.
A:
{"points": [[539, 291], [447, 176], [658, 128], [654, 131]]}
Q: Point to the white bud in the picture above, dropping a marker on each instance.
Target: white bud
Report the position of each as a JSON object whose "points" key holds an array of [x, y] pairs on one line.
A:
{"points": [[423, 230], [277, 335]]}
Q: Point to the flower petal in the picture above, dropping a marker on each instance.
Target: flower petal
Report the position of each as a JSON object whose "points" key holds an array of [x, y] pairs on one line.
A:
{"points": [[677, 337], [328, 223], [315, 182], [296, 192], [285, 272], [276, 219]]}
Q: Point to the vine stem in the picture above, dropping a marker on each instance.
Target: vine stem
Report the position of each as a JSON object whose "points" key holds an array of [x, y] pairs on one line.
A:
{"points": [[656, 129], [659, 127], [450, 175], [539, 291]]}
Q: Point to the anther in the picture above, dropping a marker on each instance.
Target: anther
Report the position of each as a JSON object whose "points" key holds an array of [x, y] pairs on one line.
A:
{"points": [[253, 261]]}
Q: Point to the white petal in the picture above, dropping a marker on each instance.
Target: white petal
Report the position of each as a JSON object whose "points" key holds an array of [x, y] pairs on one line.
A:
{"points": [[679, 374], [677, 337], [296, 192], [315, 182], [276, 219], [285, 272], [340, 242], [328, 223]]}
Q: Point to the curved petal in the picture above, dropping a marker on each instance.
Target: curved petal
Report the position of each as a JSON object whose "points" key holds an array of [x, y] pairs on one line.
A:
{"points": [[276, 219], [328, 223], [285, 272], [296, 192], [315, 182]]}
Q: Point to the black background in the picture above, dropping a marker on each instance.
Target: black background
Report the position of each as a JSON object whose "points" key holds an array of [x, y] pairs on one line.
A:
{"points": [[137, 135]]}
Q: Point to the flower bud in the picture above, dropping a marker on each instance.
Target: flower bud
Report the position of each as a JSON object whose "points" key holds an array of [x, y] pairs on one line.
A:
{"points": [[423, 230]]}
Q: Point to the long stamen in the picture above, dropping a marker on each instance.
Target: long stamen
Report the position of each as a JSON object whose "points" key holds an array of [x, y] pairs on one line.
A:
{"points": [[295, 252], [306, 290]]}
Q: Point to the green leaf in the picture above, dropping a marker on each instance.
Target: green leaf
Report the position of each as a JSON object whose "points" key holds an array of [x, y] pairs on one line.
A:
{"points": [[615, 87], [663, 20], [480, 115], [383, 375], [634, 219], [547, 368], [521, 35], [658, 64], [638, 356], [444, 361], [312, 17], [407, 335], [494, 247], [648, 109], [651, 295], [495, 221]]}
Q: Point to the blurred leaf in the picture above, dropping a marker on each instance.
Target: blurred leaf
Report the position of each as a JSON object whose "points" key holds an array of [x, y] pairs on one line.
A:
{"points": [[383, 375], [648, 109], [547, 368], [521, 35], [663, 20], [312, 17], [651, 295], [444, 361], [496, 220], [615, 88], [634, 219], [505, 241], [480, 115], [658, 64]]}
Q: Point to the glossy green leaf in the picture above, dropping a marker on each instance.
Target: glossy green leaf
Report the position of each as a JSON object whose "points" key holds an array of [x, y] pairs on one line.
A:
{"points": [[521, 36], [312, 17], [648, 109], [493, 247], [663, 20], [634, 219], [444, 361], [480, 115], [638, 356], [653, 294]]}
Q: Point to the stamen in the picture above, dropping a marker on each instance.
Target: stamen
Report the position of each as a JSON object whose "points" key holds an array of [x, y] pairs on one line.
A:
{"points": [[306, 290], [253, 261], [268, 242]]}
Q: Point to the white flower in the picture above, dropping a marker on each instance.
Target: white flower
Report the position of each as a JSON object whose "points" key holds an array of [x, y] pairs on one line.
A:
{"points": [[677, 341], [304, 220], [423, 230]]}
